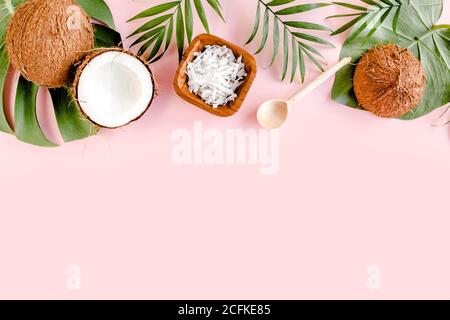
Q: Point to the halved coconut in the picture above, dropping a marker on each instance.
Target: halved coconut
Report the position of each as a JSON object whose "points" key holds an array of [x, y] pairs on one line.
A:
{"points": [[113, 87]]}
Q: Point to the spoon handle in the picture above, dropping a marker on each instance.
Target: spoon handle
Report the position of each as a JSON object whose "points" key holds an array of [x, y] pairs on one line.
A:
{"points": [[319, 80]]}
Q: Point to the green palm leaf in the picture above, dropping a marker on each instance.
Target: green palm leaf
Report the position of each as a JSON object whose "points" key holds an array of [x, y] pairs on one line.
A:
{"points": [[180, 31], [276, 39], [201, 14], [372, 16], [301, 59], [164, 17], [265, 32], [256, 24], [285, 53], [296, 52], [155, 10], [189, 19]]}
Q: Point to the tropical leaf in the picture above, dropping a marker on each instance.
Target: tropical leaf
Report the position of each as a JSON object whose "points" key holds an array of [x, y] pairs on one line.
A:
{"points": [[4, 65], [106, 37], [299, 49], [26, 124], [98, 9], [372, 16], [72, 125], [163, 18], [414, 28]]}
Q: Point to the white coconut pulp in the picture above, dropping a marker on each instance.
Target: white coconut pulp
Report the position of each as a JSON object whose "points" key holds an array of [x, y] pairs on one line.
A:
{"points": [[114, 89], [215, 74]]}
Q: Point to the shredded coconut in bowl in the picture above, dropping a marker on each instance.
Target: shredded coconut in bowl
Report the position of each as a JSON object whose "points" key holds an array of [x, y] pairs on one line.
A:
{"points": [[215, 74]]}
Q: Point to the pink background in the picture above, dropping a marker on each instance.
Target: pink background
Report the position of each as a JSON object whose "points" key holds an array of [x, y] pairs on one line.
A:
{"points": [[352, 191]]}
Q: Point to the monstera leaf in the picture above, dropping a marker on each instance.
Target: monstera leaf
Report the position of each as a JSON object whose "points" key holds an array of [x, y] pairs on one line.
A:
{"points": [[72, 125], [410, 24]]}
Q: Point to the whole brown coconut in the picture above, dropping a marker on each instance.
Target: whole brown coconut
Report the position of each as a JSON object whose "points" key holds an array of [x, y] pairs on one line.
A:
{"points": [[389, 81], [46, 37]]}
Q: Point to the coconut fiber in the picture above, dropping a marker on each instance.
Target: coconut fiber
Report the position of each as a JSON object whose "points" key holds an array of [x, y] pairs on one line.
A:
{"points": [[46, 37], [389, 81]]}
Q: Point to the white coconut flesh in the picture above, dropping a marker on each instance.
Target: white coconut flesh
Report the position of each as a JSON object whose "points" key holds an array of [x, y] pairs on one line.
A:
{"points": [[114, 89]]}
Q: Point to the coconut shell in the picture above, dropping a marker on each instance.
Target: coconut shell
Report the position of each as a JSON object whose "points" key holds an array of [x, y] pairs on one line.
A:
{"points": [[46, 37], [85, 62], [389, 81]]}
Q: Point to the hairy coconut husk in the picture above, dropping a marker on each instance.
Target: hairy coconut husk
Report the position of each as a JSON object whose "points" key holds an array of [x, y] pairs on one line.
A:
{"points": [[46, 37], [79, 68], [389, 81]]}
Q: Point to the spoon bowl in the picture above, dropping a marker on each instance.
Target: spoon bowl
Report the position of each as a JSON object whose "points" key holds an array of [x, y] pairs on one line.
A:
{"points": [[272, 114]]}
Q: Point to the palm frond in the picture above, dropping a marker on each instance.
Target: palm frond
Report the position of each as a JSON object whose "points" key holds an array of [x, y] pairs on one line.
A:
{"points": [[165, 18], [287, 33], [373, 15]]}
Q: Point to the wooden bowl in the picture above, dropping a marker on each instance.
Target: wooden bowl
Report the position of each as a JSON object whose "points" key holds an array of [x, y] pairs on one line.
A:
{"points": [[198, 45]]}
